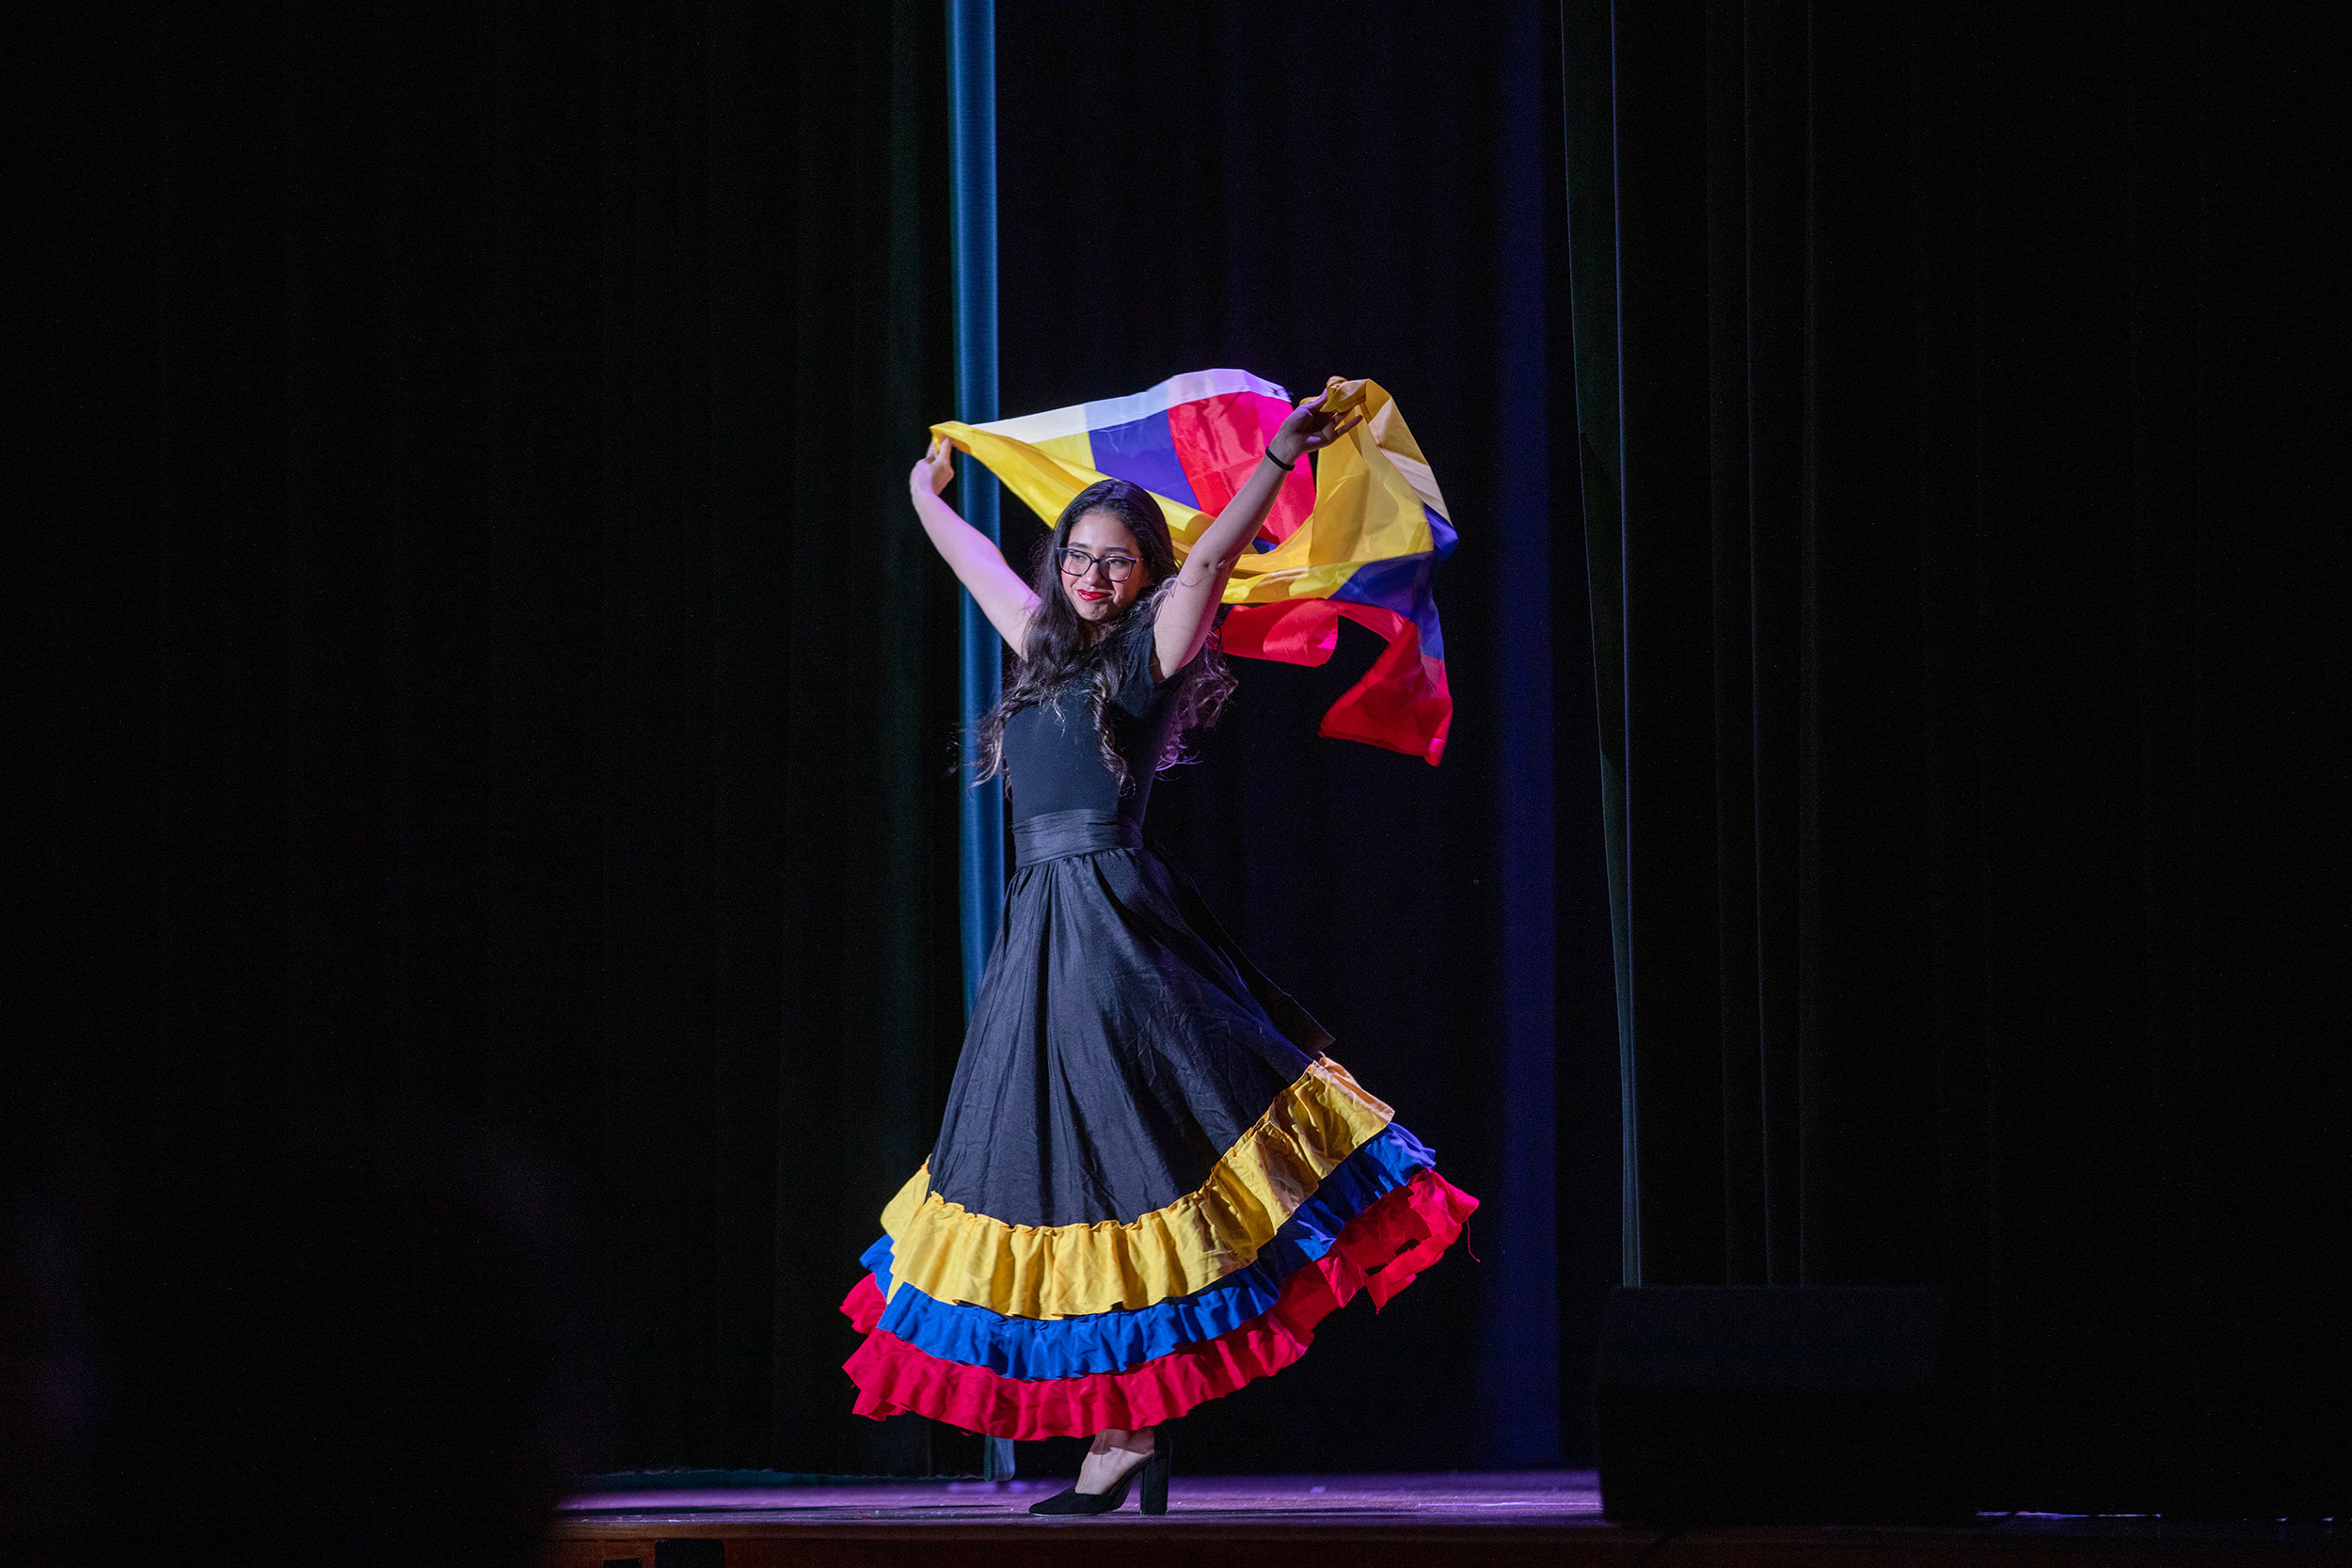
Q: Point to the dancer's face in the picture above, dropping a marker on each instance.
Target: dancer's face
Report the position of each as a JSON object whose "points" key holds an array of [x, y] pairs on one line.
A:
{"points": [[1102, 570]]}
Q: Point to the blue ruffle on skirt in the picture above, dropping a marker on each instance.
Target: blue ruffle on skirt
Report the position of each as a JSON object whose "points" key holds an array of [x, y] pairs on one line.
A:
{"points": [[1034, 1348]]}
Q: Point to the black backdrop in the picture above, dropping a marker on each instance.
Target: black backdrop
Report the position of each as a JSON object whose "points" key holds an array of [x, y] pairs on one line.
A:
{"points": [[1966, 491], [475, 653], [469, 652], [470, 657]]}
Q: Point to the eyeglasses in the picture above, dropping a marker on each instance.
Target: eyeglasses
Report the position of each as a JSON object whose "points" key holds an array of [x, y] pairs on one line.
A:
{"points": [[1076, 563]]}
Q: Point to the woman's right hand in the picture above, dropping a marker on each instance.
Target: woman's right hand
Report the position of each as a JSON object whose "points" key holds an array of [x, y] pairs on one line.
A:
{"points": [[979, 564], [934, 468]]}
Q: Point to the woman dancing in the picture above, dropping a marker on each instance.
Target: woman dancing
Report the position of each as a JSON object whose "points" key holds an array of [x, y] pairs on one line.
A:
{"points": [[1150, 1183]]}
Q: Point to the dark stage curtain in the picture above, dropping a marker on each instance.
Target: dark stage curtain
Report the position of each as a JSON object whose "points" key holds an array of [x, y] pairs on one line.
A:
{"points": [[1972, 658], [473, 657], [1371, 193], [466, 647]]}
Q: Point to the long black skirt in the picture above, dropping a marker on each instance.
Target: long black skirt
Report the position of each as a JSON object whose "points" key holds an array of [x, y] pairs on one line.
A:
{"points": [[1151, 1181]]}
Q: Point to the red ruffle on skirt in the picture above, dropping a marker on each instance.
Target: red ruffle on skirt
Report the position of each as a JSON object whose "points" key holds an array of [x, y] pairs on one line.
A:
{"points": [[1381, 1251]]}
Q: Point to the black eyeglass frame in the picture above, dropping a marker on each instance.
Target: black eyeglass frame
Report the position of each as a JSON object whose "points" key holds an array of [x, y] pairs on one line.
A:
{"points": [[1115, 573]]}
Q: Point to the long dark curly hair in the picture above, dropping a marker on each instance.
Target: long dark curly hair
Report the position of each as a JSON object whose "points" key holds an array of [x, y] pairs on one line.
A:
{"points": [[1069, 656]]}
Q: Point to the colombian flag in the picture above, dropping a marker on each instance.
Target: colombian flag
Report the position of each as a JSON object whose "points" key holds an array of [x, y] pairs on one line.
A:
{"points": [[1361, 537]]}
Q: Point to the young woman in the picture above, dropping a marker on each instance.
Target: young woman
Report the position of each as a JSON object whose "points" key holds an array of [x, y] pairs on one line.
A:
{"points": [[1150, 1183]]}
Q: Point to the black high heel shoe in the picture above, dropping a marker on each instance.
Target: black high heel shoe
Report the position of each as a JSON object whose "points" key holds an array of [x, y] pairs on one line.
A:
{"points": [[1154, 1471]]}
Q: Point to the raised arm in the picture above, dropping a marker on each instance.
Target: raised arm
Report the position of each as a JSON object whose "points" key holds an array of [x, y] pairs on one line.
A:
{"points": [[1190, 608], [979, 564]]}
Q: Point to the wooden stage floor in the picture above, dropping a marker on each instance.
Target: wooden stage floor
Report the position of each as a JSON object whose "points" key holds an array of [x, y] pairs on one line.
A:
{"points": [[1494, 1521]]}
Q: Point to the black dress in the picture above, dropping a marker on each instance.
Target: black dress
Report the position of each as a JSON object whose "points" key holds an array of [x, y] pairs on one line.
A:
{"points": [[1150, 1183]]}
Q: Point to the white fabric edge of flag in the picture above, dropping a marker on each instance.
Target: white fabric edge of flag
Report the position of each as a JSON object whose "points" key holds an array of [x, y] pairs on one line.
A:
{"points": [[1188, 388]]}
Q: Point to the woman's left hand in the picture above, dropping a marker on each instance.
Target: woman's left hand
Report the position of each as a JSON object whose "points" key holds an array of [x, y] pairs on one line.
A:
{"points": [[1309, 429]]}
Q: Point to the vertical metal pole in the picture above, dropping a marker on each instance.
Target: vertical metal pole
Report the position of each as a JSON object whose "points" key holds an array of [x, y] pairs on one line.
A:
{"points": [[971, 108]]}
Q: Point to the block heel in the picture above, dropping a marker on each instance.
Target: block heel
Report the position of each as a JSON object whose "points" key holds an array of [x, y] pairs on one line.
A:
{"points": [[1157, 1471]]}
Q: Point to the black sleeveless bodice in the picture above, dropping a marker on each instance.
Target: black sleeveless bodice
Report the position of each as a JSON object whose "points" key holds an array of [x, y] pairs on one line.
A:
{"points": [[1052, 761]]}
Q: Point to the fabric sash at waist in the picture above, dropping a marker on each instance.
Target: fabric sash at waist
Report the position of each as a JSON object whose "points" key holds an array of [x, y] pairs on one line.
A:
{"points": [[1054, 835]]}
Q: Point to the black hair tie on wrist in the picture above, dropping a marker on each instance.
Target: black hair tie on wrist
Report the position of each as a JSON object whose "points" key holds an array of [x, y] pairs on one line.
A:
{"points": [[1286, 468]]}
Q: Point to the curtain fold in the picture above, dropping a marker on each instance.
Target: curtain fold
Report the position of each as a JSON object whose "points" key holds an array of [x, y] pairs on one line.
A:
{"points": [[473, 657], [1982, 839]]}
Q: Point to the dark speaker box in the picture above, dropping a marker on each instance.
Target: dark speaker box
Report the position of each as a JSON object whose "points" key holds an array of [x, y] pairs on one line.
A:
{"points": [[1779, 1405]]}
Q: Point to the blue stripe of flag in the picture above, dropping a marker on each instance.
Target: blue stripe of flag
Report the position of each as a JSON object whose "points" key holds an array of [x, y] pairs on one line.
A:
{"points": [[1142, 452]]}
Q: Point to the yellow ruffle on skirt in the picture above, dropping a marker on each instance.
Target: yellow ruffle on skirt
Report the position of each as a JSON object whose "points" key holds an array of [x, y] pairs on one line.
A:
{"points": [[953, 1255]]}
